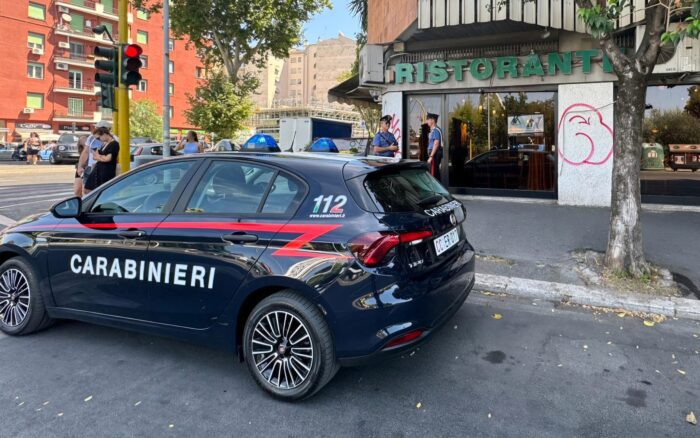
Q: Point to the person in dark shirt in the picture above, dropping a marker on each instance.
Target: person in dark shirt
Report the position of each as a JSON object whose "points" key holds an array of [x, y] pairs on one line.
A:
{"points": [[434, 146], [384, 143], [106, 160]]}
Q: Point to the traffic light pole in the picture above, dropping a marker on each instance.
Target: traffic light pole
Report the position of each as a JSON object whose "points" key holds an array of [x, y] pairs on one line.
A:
{"points": [[123, 93]]}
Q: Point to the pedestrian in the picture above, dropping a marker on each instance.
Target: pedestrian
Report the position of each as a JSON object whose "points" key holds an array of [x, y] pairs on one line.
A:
{"points": [[105, 157], [385, 144], [434, 146], [190, 144], [32, 147], [80, 166]]}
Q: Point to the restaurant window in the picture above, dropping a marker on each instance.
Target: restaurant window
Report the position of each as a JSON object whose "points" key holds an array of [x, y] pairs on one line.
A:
{"points": [[671, 148], [418, 130]]}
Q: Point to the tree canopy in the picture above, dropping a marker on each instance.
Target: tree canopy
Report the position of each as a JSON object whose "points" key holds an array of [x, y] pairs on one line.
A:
{"points": [[145, 119]]}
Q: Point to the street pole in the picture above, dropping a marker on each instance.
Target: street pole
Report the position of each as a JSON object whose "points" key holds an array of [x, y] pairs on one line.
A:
{"points": [[166, 79], [123, 92]]}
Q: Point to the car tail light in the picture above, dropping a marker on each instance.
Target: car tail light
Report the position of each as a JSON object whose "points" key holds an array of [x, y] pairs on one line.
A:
{"points": [[404, 339], [372, 248]]}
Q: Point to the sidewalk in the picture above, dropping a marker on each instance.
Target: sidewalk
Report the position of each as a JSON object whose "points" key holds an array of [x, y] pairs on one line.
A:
{"points": [[525, 248]]}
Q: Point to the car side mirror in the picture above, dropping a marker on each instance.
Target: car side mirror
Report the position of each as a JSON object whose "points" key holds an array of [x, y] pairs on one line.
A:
{"points": [[70, 208]]}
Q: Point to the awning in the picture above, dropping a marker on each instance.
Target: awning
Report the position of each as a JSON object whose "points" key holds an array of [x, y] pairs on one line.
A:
{"points": [[43, 135], [349, 92]]}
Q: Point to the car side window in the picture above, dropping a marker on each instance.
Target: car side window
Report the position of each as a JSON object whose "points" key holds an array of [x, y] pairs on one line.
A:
{"points": [[231, 187], [284, 195], [146, 191]]}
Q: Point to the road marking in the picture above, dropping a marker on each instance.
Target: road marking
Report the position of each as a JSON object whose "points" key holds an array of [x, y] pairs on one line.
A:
{"points": [[27, 203], [6, 221], [46, 195]]}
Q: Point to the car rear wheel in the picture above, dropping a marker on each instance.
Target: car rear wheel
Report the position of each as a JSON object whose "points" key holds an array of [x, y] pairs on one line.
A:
{"points": [[22, 309], [288, 347], [52, 159]]}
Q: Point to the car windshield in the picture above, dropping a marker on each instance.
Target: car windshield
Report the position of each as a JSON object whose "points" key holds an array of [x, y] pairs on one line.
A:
{"points": [[140, 140], [68, 139], [406, 190]]}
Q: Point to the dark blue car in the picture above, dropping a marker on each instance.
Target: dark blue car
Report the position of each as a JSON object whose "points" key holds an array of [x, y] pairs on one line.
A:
{"points": [[299, 262]]}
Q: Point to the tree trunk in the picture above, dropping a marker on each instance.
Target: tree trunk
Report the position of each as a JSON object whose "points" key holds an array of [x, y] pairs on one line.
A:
{"points": [[625, 252]]}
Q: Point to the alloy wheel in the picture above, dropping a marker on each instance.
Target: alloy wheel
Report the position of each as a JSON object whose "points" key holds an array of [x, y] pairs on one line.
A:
{"points": [[14, 297], [282, 349]]}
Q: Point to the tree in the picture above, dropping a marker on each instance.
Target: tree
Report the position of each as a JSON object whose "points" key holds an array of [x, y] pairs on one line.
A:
{"points": [[218, 107], [625, 250], [145, 120], [671, 127], [692, 106]]}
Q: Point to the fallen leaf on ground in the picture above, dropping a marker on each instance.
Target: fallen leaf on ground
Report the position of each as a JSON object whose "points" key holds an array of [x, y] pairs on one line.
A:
{"points": [[60, 414], [419, 405], [496, 316], [681, 372], [622, 314], [87, 399], [649, 323], [690, 418], [137, 403], [170, 426]]}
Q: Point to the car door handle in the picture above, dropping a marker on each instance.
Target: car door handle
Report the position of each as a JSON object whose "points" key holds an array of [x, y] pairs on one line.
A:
{"points": [[240, 237], [131, 234]]}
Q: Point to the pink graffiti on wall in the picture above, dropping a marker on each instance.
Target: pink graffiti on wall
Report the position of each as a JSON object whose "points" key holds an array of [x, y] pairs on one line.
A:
{"points": [[584, 136], [395, 127]]}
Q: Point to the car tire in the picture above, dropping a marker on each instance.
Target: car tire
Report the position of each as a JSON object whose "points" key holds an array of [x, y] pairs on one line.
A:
{"points": [[285, 371], [22, 308], [52, 160]]}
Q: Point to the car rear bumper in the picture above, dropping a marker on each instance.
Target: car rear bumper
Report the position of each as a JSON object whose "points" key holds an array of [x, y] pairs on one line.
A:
{"points": [[66, 156], [402, 307]]}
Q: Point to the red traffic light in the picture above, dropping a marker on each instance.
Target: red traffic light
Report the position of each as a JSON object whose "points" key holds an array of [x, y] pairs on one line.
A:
{"points": [[133, 50]]}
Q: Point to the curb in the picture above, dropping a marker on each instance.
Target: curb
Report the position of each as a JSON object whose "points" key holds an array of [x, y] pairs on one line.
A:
{"points": [[571, 293]]}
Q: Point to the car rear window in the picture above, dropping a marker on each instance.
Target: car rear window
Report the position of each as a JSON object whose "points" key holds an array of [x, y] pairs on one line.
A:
{"points": [[405, 190], [68, 139]]}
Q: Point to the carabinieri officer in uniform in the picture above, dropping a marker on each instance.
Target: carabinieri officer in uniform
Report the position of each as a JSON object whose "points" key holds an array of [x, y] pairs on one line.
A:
{"points": [[385, 144], [434, 146]]}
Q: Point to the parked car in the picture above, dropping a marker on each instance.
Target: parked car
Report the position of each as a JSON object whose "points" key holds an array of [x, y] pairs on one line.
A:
{"points": [[66, 150], [137, 141], [149, 152], [225, 145], [46, 153], [6, 152]]}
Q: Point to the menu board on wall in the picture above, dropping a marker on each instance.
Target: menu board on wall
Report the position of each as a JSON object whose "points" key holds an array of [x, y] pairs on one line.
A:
{"points": [[526, 124]]}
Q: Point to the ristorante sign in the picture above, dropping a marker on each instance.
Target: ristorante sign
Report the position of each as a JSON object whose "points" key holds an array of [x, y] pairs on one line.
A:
{"points": [[502, 67]]}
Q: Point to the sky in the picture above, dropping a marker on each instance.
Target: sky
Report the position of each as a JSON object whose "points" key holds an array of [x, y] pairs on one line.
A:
{"points": [[328, 23]]}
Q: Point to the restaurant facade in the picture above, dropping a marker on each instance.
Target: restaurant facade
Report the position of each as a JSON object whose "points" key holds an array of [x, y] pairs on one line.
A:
{"points": [[525, 99]]}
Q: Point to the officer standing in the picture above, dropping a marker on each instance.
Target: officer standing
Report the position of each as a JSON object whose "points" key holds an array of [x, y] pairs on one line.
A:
{"points": [[434, 146], [385, 144]]}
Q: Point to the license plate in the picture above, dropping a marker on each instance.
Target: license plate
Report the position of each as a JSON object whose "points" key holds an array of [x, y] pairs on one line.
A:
{"points": [[446, 241]]}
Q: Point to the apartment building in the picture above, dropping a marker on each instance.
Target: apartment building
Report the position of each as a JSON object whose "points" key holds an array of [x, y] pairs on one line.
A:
{"points": [[47, 83]]}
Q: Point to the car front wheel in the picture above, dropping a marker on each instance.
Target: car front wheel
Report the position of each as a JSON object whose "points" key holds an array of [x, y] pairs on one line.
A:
{"points": [[22, 309], [288, 347], [52, 159]]}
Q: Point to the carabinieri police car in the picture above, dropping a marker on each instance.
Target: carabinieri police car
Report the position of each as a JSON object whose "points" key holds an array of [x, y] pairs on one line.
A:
{"points": [[299, 262]]}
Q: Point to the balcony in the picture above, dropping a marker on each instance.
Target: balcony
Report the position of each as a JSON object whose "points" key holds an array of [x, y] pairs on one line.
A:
{"points": [[63, 85], [86, 34], [67, 116], [74, 59], [92, 8]]}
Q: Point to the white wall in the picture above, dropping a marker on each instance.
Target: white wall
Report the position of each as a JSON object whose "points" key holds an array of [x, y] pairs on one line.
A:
{"points": [[392, 104], [584, 144]]}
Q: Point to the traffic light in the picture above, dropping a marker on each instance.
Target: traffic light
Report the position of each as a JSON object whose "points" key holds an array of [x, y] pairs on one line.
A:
{"points": [[107, 79], [130, 64]]}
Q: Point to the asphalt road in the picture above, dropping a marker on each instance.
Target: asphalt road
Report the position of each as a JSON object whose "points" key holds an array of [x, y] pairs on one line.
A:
{"points": [[27, 189], [538, 371]]}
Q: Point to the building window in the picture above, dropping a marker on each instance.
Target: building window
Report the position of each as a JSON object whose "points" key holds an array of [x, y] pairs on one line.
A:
{"points": [[75, 80], [143, 85], [141, 14], [36, 11], [171, 44], [75, 106], [198, 72], [76, 49], [35, 71], [171, 67], [109, 27], [35, 40], [35, 100], [77, 22], [171, 112], [144, 61], [171, 88], [142, 37]]}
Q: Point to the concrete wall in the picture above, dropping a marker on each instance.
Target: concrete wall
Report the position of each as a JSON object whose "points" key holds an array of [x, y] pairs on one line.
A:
{"points": [[386, 20], [585, 144]]}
